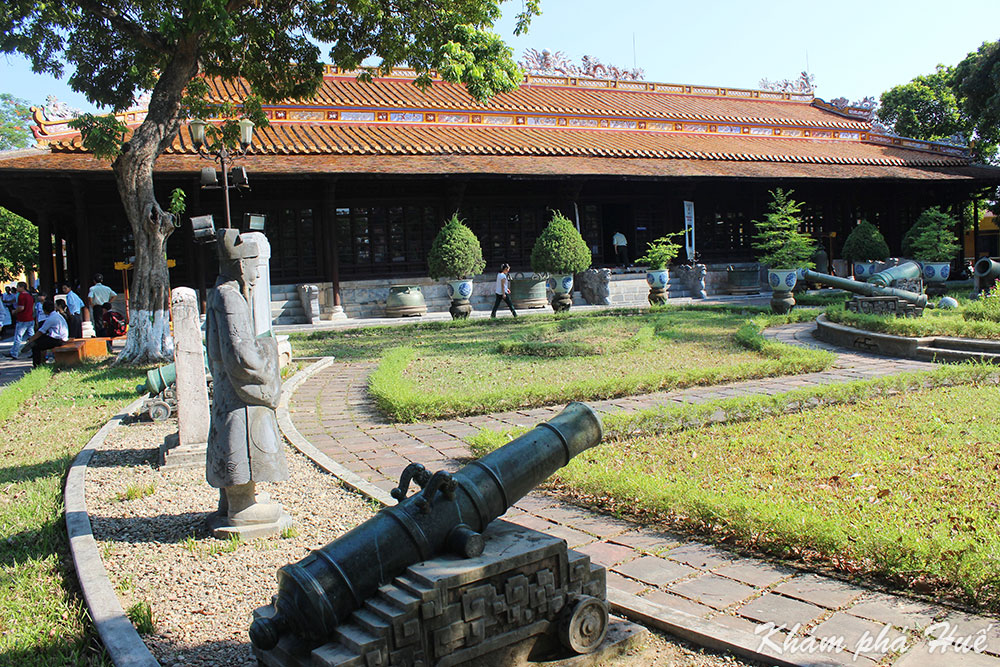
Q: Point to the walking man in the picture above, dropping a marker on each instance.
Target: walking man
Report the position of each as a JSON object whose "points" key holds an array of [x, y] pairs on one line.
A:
{"points": [[24, 318], [100, 296], [621, 248], [503, 290]]}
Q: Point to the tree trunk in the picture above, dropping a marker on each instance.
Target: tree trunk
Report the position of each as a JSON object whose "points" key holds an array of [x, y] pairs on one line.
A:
{"points": [[149, 331]]}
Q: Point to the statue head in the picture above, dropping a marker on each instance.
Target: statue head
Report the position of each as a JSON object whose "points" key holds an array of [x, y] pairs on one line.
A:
{"points": [[240, 259]]}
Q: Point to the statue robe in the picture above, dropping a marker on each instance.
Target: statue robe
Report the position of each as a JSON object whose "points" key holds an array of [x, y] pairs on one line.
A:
{"points": [[244, 444]]}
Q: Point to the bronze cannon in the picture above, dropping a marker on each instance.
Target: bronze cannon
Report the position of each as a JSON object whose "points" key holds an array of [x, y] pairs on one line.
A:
{"points": [[987, 272], [447, 515], [872, 298]]}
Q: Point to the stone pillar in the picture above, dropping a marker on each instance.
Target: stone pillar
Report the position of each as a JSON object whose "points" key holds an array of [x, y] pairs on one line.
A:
{"points": [[309, 298], [188, 446]]}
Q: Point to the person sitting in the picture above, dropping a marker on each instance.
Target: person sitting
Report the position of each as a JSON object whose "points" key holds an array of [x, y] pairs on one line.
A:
{"points": [[53, 332]]}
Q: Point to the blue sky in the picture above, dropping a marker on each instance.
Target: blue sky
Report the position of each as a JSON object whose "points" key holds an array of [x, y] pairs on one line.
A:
{"points": [[853, 48]]}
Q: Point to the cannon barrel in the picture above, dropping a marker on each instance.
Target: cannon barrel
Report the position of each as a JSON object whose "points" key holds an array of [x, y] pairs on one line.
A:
{"points": [[322, 589], [158, 379], [865, 289], [904, 271], [987, 268]]}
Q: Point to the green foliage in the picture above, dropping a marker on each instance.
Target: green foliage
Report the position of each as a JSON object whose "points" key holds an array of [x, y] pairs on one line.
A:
{"points": [[978, 88], [986, 308], [15, 119], [456, 252], [102, 135], [136, 491], [865, 243], [778, 241], [661, 252], [560, 249], [178, 201], [141, 615], [924, 108], [932, 237], [18, 245]]}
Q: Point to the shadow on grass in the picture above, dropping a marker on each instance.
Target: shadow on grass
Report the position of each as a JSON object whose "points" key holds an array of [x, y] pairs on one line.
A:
{"points": [[34, 471], [57, 652]]}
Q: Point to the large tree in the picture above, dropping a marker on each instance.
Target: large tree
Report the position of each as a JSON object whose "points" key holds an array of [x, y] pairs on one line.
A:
{"points": [[18, 245], [924, 108], [119, 48], [15, 117], [977, 84]]}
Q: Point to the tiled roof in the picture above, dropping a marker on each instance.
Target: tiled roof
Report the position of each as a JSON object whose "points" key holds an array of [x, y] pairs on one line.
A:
{"points": [[557, 117]]}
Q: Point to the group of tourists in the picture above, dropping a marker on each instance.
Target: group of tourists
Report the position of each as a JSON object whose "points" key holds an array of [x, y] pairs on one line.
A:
{"points": [[43, 322]]}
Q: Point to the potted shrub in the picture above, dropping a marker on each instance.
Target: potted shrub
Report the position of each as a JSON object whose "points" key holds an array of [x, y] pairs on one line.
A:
{"points": [[864, 247], [560, 251], [932, 242], [782, 247], [659, 254], [456, 254]]}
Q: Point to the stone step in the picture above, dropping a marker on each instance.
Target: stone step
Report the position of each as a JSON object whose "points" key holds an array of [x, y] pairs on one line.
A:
{"points": [[415, 587], [967, 344], [398, 597], [330, 655], [931, 353], [285, 303], [288, 320], [355, 639], [383, 608], [291, 310], [371, 623]]}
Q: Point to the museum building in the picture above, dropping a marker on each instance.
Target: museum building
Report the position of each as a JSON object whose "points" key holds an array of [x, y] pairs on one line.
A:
{"points": [[355, 182]]}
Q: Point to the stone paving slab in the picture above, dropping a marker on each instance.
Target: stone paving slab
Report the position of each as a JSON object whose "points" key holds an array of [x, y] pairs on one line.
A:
{"points": [[694, 590]]}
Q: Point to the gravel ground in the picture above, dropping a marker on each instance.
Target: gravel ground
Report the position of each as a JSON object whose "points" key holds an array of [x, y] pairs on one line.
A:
{"points": [[156, 550]]}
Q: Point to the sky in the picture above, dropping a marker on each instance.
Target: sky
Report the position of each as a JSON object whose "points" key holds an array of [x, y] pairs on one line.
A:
{"points": [[853, 48]]}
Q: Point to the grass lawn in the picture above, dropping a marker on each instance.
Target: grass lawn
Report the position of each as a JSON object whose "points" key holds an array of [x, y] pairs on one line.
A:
{"points": [[902, 486], [431, 371], [932, 323], [45, 418]]}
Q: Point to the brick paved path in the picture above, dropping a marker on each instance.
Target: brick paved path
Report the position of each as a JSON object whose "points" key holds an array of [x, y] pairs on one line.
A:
{"points": [[691, 589]]}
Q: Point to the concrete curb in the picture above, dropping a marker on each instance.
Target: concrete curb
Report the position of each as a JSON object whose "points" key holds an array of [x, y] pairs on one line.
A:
{"points": [[297, 440], [119, 636], [691, 628], [868, 341]]}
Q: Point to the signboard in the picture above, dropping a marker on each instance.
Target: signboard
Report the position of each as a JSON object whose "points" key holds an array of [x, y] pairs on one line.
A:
{"points": [[689, 229]]}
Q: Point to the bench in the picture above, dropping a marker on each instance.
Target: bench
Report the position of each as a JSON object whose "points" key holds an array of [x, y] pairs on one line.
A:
{"points": [[77, 350]]}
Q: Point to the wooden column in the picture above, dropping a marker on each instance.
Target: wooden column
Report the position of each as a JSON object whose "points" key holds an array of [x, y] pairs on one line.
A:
{"points": [[81, 251], [46, 267], [331, 247], [975, 228]]}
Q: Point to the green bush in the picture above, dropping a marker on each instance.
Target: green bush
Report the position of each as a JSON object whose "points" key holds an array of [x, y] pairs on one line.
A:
{"points": [[560, 249], [932, 237], [865, 243], [778, 242], [986, 308], [456, 252], [661, 252]]}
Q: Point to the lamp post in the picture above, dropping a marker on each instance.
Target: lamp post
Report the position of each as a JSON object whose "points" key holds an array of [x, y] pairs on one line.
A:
{"points": [[222, 155]]}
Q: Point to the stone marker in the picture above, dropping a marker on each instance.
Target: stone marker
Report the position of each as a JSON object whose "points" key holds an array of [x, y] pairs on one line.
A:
{"points": [[189, 445]]}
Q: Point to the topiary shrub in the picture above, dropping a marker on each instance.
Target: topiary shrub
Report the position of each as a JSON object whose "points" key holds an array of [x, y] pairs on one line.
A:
{"points": [[865, 243], [456, 252], [560, 249], [778, 242], [932, 237]]}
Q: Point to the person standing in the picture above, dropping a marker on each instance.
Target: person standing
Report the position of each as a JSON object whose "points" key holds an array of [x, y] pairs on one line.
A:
{"points": [[99, 296], [74, 308], [24, 318], [53, 332], [503, 290], [621, 248]]}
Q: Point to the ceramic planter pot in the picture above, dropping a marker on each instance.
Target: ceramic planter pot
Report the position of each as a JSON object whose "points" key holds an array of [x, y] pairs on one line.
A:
{"points": [[782, 281], [865, 270], [936, 272], [562, 284], [657, 278], [528, 292], [459, 290], [405, 301]]}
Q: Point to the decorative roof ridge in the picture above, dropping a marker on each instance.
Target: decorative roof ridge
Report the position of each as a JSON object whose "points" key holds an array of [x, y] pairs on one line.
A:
{"points": [[589, 83]]}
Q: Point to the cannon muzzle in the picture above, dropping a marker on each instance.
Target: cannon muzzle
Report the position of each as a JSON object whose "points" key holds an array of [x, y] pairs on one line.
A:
{"points": [[448, 514], [865, 289], [158, 379], [987, 269]]}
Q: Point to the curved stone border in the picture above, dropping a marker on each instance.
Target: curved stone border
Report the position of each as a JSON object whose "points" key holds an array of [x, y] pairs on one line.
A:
{"points": [[119, 636], [297, 440], [868, 341]]}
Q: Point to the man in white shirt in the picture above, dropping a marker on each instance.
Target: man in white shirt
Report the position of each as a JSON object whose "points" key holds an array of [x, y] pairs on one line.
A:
{"points": [[621, 248], [503, 290], [53, 332], [99, 296]]}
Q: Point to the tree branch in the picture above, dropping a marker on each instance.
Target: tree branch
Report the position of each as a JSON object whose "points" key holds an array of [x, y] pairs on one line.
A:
{"points": [[149, 39]]}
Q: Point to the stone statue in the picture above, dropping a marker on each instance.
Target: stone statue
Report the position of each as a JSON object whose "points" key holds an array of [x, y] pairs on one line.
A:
{"points": [[244, 445]]}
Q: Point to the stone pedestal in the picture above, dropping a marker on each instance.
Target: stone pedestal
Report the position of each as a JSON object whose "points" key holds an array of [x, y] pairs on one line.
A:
{"points": [[561, 302], [309, 297], [222, 528], [460, 309], [657, 296], [782, 302], [526, 600]]}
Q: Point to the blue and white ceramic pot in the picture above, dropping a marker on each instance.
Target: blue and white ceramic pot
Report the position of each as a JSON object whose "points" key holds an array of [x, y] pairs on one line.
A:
{"points": [[657, 278], [936, 272], [782, 280], [865, 270], [562, 284], [459, 290]]}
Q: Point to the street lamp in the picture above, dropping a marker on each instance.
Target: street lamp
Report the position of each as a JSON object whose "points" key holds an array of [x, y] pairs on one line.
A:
{"points": [[221, 154]]}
